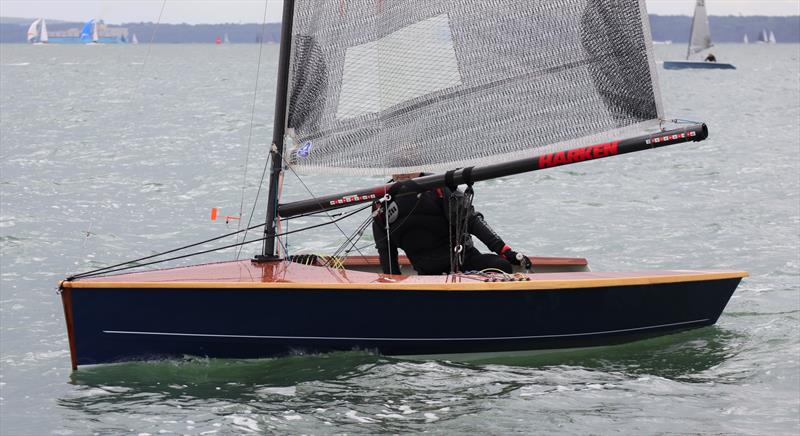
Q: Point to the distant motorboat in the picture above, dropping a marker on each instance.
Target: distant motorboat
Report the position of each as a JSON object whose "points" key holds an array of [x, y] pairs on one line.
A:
{"points": [[699, 40]]}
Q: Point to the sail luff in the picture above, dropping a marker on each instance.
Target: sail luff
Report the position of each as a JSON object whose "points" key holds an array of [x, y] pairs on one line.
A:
{"points": [[696, 132], [279, 128]]}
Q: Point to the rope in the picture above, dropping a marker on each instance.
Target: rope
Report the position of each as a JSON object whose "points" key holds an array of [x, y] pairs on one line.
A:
{"points": [[459, 226]]}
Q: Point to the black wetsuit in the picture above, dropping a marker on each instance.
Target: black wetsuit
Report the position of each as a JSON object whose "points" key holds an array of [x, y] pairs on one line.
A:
{"points": [[419, 225]]}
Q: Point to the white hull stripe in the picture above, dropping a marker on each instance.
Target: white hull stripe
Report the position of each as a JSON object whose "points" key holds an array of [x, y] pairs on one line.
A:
{"points": [[330, 338]]}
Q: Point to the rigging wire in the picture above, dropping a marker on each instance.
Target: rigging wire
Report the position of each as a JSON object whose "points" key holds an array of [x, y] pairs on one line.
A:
{"points": [[250, 133], [102, 270], [123, 267], [289, 166]]}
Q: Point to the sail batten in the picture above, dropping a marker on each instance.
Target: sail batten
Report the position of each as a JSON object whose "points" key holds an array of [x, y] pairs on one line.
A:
{"points": [[427, 85]]}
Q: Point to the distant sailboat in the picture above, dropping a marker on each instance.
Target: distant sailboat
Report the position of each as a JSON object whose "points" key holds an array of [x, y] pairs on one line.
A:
{"points": [[772, 38], [36, 35], [699, 40], [225, 39], [746, 40], [763, 37], [134, 40]]}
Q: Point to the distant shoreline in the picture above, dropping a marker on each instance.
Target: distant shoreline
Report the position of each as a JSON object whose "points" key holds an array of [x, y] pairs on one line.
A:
{"points": [[673, 28]]}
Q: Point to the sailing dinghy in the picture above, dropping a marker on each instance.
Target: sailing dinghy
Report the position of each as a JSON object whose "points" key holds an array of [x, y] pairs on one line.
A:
{"points": [[470, 90], [699, 40], [37, 36]]}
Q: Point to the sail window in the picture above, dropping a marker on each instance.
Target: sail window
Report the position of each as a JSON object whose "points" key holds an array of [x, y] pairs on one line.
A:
{"points": [[411, 62]]}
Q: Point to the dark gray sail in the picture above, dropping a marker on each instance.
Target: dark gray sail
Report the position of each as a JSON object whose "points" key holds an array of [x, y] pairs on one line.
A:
{"points": [[388, 86]]}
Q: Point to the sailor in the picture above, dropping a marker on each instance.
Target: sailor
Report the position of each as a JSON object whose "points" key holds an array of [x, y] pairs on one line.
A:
{"points": [[419, 224], [711, 58]]}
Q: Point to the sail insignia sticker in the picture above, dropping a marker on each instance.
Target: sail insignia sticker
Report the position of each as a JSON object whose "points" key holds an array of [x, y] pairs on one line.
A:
{"points": [[305, 149]]}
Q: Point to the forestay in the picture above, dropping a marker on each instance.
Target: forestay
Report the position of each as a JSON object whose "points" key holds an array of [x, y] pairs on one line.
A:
{"points": [[382, 86]]}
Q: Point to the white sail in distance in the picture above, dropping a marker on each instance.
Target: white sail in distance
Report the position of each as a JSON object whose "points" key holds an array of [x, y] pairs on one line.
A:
{"points": [[95, 38], [43, 37], [391, 87], [700, 38], [33, 30]]}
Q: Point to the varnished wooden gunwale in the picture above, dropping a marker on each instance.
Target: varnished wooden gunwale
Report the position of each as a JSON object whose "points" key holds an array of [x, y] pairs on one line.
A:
{"points": [[537, 282]]}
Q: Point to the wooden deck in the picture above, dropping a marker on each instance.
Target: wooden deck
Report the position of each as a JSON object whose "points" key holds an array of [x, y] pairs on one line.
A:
{"points": [[292, 275]]}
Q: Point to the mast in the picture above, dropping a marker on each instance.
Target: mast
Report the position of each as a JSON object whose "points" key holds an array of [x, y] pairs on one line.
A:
{"points": [[278, 130]]}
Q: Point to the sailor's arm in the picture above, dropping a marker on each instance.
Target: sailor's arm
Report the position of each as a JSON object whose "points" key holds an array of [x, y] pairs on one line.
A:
{"points": [[493, 241]]}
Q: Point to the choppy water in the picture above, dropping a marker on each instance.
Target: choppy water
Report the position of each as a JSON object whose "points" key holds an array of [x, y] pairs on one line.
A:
{"points": [[97, 142]]}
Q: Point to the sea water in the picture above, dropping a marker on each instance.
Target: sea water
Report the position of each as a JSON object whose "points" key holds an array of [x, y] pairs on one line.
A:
{"points": [[115, 152]]}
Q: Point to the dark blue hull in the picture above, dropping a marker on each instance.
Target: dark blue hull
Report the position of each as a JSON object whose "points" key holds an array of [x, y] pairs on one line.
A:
{"points": [[119, 324], [697, 65]]}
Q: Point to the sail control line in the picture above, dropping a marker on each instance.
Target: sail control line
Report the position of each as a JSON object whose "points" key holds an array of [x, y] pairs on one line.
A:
{"points": [[690, 133], [460, 206]]}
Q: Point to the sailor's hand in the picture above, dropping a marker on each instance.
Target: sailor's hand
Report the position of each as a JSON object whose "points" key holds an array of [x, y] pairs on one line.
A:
{"points": [[515, 258]]}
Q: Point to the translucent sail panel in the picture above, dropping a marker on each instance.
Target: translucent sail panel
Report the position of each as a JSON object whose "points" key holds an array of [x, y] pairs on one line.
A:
{"points": [[701, 34], [379, 86]]}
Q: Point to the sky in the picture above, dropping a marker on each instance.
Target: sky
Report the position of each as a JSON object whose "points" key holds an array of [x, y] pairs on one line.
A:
{"points": [[252, 11]]}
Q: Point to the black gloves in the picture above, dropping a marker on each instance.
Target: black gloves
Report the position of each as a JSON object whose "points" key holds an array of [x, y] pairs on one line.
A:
{"points": [[515, 258]]}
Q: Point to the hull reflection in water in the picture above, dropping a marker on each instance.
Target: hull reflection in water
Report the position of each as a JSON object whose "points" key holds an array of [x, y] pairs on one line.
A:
{"points": [[254, 310]]}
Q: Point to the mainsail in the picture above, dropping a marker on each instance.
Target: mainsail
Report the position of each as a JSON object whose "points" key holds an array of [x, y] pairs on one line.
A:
{"points": [[701, 34], [43, 36], [33, 30], [380, 87], [86, 32]]}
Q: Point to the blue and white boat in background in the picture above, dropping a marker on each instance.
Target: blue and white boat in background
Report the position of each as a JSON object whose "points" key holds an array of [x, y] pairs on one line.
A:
{"points": [[699, 40], [89, 33]]}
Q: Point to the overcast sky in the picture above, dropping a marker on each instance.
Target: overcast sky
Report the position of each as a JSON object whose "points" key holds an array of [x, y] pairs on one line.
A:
{"points": [[252, 11]]}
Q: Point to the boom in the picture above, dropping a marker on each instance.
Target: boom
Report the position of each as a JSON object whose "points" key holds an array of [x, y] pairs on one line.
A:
{"points": [[694, 132]]}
